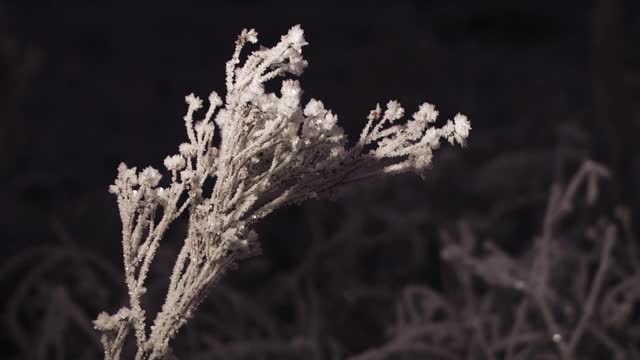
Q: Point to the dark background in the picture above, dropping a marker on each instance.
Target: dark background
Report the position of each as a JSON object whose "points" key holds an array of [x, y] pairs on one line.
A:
{"points": [[85, 85]]}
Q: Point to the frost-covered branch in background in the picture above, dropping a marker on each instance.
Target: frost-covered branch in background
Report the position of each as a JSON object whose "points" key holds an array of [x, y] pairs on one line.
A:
{"points": [[569, 294], [273, 152]]}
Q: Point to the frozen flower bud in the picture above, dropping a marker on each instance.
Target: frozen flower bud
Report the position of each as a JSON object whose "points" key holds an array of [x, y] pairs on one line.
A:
{"points": [[291, 89], [414, 130], [297, 65], [127, 175], [290, 97], [214, 99], [295, 62], [122, 167], [250, 35], [149, 177], [194, 102], [329, 121], [296, 37], [394, 110], [174, 162], [314, 108], [448, 131], [187, 150], [126, 179], [461, 128], [319, 121], [106, 322], [426, 112]]}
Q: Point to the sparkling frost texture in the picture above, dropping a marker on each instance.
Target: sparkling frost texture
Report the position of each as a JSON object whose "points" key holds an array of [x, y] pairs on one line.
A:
{"points": [[273, 152]]}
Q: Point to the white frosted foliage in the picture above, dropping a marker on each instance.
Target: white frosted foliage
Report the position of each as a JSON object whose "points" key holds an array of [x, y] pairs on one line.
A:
{"points": [[274, 150]]}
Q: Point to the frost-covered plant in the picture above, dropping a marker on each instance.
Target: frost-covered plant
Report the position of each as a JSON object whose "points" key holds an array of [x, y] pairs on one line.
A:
{"points": [[272, 152]]}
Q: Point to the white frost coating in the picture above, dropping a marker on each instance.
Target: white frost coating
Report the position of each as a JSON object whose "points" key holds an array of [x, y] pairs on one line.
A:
{"points": [[273, 151]]}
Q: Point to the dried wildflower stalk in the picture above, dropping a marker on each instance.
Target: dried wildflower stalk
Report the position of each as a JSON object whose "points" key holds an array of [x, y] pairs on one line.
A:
{"points": [[272, 153]]}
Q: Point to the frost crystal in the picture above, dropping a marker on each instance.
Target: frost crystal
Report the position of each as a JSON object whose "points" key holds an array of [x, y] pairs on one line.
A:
{"points": [[174, 162]]}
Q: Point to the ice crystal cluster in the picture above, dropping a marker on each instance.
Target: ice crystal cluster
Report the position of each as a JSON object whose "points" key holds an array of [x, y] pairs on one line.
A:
{"points": [[273, 151]]}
